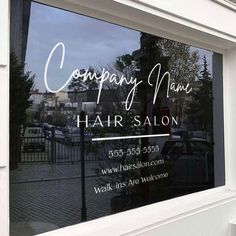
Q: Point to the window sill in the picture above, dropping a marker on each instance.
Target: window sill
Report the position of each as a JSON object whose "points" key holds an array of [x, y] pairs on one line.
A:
{"points": [[150, 216]]}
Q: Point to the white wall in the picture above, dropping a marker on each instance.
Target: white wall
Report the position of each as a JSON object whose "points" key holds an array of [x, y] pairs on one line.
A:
{"points": [[4, 118], [202, 23]]}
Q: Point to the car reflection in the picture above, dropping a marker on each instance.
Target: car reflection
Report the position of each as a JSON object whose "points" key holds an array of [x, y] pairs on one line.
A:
{"points": [[33, 139], [191, 163]]}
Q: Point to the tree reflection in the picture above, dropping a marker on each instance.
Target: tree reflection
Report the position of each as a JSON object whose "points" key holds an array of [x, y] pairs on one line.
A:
{"points": [[21, 84]]}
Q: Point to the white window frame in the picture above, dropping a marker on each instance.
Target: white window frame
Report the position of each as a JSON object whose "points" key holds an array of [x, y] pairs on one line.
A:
{"points": [[144, 17], [227, 3]]}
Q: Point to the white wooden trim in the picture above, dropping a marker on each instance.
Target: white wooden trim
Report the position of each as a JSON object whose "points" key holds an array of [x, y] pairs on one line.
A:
{"points": [[143, 219], [227, 3], [181, 19], [4, 118], [3, 35]]}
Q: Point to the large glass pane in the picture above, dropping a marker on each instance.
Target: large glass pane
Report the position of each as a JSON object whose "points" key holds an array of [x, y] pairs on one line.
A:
{"points": [[105, 119]]}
